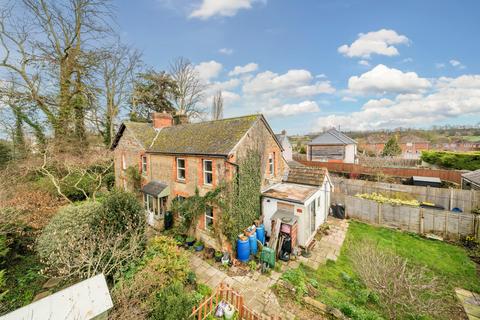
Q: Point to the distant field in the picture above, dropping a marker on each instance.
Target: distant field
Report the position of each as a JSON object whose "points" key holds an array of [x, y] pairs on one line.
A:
{"points": [[472, 138]]}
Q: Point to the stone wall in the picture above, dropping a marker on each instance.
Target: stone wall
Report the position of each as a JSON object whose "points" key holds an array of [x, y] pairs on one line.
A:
{"points": [[130, 148]]}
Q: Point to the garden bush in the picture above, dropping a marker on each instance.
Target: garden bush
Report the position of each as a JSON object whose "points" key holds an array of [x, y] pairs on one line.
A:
{"points": [[174, 302], [453, 160], [86, 239]]}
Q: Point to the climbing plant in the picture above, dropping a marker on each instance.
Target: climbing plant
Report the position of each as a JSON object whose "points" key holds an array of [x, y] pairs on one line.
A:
{"points": [[240, 202]]}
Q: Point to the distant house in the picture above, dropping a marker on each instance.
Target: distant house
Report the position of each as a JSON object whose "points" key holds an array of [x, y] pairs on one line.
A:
{"points": [[471, 180], [411, 145], [332, 146], [287, 147]]}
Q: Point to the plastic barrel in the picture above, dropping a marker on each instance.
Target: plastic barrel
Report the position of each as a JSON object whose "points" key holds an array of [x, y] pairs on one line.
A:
{"points": [[261, 233], [243, 250], [253, 243]]}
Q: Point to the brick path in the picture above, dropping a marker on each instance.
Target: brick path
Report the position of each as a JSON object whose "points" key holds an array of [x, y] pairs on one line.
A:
{"points": [[255, 287]]}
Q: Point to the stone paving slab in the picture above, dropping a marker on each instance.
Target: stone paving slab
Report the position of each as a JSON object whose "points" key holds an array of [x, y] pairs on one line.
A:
{"points": [[256, 287]]}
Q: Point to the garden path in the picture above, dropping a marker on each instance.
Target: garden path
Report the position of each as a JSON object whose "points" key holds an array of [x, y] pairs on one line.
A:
{"points": [[256, 287]]}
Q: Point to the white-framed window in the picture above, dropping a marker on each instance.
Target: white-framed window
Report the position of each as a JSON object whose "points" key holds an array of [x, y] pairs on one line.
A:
{"points": [[148, 203], [207, 172], [181, 169], [271, 163], [124, 162], [209, 217], [144, 165]]}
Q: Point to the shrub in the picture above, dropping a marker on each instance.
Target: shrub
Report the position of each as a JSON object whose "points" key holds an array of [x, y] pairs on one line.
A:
{"points": [[173, 302], [5, 154], [453, 160], [86, 239], [109, 181]]}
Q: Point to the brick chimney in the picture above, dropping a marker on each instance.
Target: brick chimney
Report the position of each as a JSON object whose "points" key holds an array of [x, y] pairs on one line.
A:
{"points": [[180, 119], [284, 132], [161, 120]]}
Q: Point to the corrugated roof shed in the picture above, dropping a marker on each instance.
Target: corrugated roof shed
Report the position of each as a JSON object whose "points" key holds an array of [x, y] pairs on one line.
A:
{"points": [[207, 138], [332, 137]]}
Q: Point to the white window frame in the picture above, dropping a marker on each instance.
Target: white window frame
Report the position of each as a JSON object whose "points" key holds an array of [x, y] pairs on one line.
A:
{"points": [[207, 218], [144, 165], [146, 203], [181, 168], [205, 172], [124, 162], [271, 163]]}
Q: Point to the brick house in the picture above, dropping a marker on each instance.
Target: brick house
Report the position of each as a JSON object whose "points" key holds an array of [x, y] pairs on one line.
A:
{"points": [[174, 158]]}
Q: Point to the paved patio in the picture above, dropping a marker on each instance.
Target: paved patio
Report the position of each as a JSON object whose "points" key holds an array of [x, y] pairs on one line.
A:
{"points": [[256, 287]]}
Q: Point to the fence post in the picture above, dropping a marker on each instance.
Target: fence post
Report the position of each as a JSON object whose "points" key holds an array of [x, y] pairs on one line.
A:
{"points": [[379, 213], [445, 225], [421, 221], [240, 307]]}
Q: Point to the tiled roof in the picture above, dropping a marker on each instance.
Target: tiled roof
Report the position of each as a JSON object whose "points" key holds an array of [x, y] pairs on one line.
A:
{"points": [[306, 175], [207, 138], [143, 132], [332, 137]]}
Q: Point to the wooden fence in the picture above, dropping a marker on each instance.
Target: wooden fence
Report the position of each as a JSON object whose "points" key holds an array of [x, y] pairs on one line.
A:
{"points": [[225, 293], [447, 224], [454, 176], [466, 200]]}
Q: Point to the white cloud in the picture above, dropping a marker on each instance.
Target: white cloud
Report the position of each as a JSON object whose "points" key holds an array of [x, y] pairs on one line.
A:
{"points": [[208, 70], [364, 63], [321, 76], [226, 8], [407, 60], [269, 81], [314, 89], [383, 79], [379, 42], [456, 64], [439, 65], [449, 98], [226, 51], [292, 109], [249, 67], [349, 99]]}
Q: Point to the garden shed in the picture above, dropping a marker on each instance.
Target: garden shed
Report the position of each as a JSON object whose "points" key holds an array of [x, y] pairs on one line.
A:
{"points": [[300, 203]]}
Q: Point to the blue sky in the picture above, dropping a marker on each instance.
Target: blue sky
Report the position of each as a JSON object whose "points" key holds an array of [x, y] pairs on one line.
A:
{"points": [[313, 64]]}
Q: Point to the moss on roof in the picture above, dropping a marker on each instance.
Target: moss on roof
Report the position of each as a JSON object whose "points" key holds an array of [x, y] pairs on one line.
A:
{"points": [[211, 137], [143, 132]]}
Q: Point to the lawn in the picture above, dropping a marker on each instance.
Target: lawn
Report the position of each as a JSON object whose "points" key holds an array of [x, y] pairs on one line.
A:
{"points": [[337, 284]]}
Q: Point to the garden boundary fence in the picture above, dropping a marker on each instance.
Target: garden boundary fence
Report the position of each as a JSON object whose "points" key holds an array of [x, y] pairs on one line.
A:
{"points": [[466, 200], [352, 169], [447, 224], [225, 293]]}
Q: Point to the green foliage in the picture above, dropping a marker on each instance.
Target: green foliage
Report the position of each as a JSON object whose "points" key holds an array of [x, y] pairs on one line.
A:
{"points": [[453, 160], [252, 265], [241, 198], [5, 154], [120, 213], [339, 286], [392, 148], [298, 279], [109, 181], [204, 290], [173, 302], [134, 178]]}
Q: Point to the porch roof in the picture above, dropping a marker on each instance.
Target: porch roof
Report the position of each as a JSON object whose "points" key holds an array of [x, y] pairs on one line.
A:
{"points": [[291, 192], [156, 188]]}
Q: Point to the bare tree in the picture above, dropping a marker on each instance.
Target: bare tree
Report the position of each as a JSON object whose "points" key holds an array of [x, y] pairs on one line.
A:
{"points": [[217, 106], [49, 51], [190, 88]]}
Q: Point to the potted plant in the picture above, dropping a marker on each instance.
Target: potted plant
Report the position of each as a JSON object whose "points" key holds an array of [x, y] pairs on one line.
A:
{"points": [[228, 312], [198, 246], [225, 260], [218, 256], [190, 241]]}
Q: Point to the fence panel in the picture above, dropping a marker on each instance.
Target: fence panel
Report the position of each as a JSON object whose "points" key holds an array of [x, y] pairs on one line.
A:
{"points": [[447, 224]]}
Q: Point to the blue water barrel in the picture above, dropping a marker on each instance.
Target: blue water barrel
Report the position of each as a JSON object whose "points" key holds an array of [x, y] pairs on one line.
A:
{"points": [[253, 243], [243, 250], [261, 233]]}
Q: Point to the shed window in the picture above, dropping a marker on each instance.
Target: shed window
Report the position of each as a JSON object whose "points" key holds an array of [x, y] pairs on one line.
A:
{"points": [[209, 217], [144, 164], [180, 169], [207, 172]]}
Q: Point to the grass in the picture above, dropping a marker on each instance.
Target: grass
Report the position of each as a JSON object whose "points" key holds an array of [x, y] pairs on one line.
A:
{"points": [[338, 285], [472, 138]]}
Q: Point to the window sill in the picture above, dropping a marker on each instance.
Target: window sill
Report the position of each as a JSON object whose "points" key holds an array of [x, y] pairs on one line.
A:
{"points": [[181, 181]]}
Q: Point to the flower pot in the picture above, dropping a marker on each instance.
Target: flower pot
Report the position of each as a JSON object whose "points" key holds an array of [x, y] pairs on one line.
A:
{"points": [[190, 241], [218, 256], [228, 312], [199, 247]]}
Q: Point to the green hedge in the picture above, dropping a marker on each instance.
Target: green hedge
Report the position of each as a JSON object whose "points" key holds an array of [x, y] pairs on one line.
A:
{"points": [[453, 160]]}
